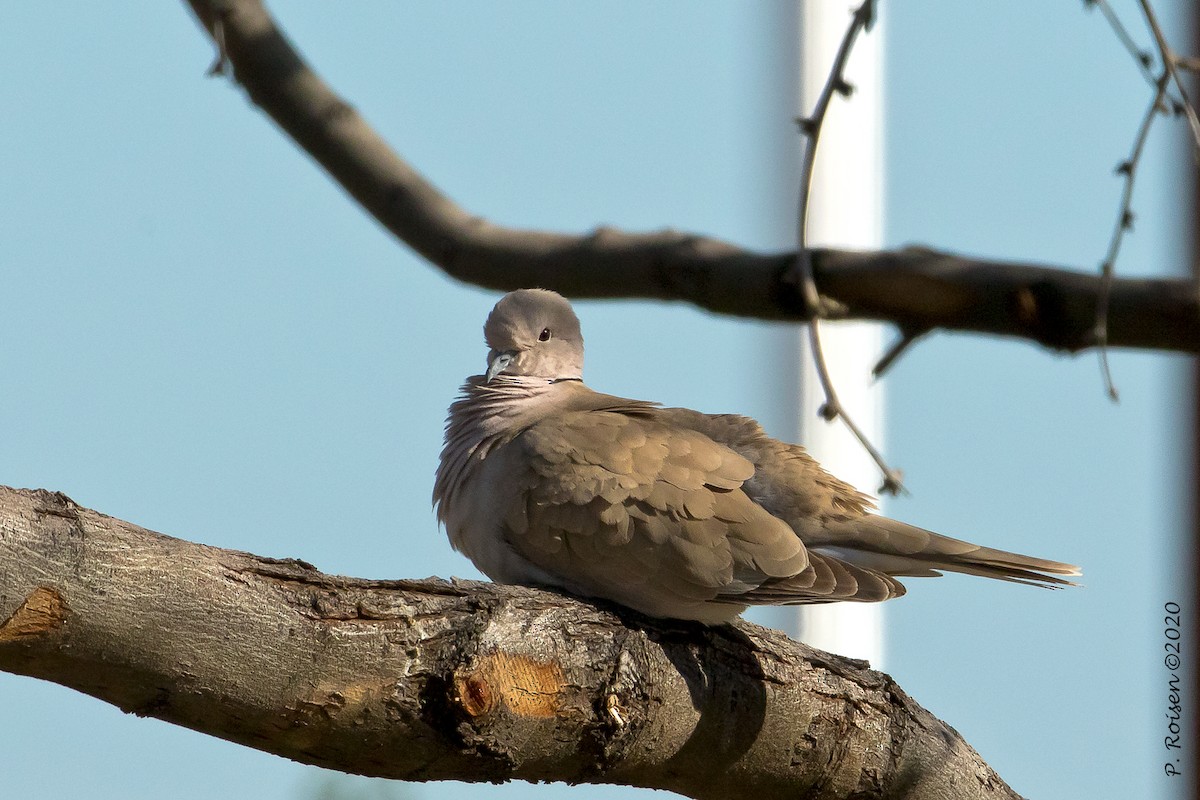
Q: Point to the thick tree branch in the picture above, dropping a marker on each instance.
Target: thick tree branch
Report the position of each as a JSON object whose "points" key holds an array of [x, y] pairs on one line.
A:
{"points": [[917, 288], [428, 680]]}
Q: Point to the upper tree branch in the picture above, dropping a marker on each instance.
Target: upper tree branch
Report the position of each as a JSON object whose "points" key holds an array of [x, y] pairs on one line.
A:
{"points": [[917, 288], [427, 680]]}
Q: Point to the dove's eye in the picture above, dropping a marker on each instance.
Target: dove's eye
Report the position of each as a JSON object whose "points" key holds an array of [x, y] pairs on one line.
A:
{"points": [[544, 336]]}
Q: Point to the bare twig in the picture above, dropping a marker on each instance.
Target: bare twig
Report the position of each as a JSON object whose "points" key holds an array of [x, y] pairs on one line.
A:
{"points": [[1169, 61], [1141, 57], [1187, 63], [811, 126], [1162, 101], [220, 64], [1128, 171], [908, 337]]}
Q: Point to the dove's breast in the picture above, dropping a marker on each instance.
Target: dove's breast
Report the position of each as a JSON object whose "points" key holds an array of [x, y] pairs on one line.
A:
{"points": [[473, 489], [475, 520]]}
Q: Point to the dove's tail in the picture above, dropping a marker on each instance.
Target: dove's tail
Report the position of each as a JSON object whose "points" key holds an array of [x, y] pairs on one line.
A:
{"points": [[898, 549]]}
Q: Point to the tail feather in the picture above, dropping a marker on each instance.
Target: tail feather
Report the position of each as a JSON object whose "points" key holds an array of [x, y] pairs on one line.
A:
{"points": [[898, 549]]}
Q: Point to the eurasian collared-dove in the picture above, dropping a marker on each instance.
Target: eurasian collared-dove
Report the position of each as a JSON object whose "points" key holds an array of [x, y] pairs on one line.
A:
{"points": [[668, 511]]}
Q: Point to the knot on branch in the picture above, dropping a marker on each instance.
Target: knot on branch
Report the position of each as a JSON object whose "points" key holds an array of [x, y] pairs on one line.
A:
{"points": [[1041, 309]]}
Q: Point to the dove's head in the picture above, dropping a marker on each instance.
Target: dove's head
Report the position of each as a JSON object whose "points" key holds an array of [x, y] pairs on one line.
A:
{"points": [[534, 333]]}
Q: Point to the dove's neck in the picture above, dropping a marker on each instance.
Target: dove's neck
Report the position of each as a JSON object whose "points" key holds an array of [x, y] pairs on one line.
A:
{"points": [[508, 405], [503, 407], [488, 414]]}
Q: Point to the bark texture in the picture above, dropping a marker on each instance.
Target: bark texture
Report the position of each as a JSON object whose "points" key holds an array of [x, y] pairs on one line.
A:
{"points": [[917, 288], [429, 680]]}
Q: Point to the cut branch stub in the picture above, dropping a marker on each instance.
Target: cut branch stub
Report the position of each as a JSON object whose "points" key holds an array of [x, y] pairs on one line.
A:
{"points": [[41, 614]]}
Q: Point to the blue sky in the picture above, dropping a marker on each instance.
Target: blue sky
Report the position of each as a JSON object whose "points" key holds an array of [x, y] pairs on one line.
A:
{"points": [[205, 337]]}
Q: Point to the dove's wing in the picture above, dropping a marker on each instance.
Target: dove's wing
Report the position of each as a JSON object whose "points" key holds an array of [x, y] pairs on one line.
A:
{"points": [[653, 516], [832, 517]]}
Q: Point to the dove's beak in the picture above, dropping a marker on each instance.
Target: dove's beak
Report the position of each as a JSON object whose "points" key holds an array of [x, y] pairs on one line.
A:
{"points": [[497, 363]]}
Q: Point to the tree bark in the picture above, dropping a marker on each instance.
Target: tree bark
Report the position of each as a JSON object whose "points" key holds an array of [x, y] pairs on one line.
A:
{"points": [[429, 680], [917, 288]]}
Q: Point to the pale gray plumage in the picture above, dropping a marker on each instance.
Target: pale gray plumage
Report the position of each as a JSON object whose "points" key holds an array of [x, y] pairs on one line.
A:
{"points": [[669, 511]]}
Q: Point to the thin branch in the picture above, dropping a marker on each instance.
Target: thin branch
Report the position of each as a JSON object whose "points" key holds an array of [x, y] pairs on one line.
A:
{"points": [[1128, 168], [811, 127], [920, 288], [1128, 171], [1140, 57], [1169, 62], [908, 337], [1187, 63], [220, 64], [428, 680]]}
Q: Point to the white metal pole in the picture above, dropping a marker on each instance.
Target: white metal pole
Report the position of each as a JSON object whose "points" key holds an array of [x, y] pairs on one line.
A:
{"points": [[846, 211]]}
